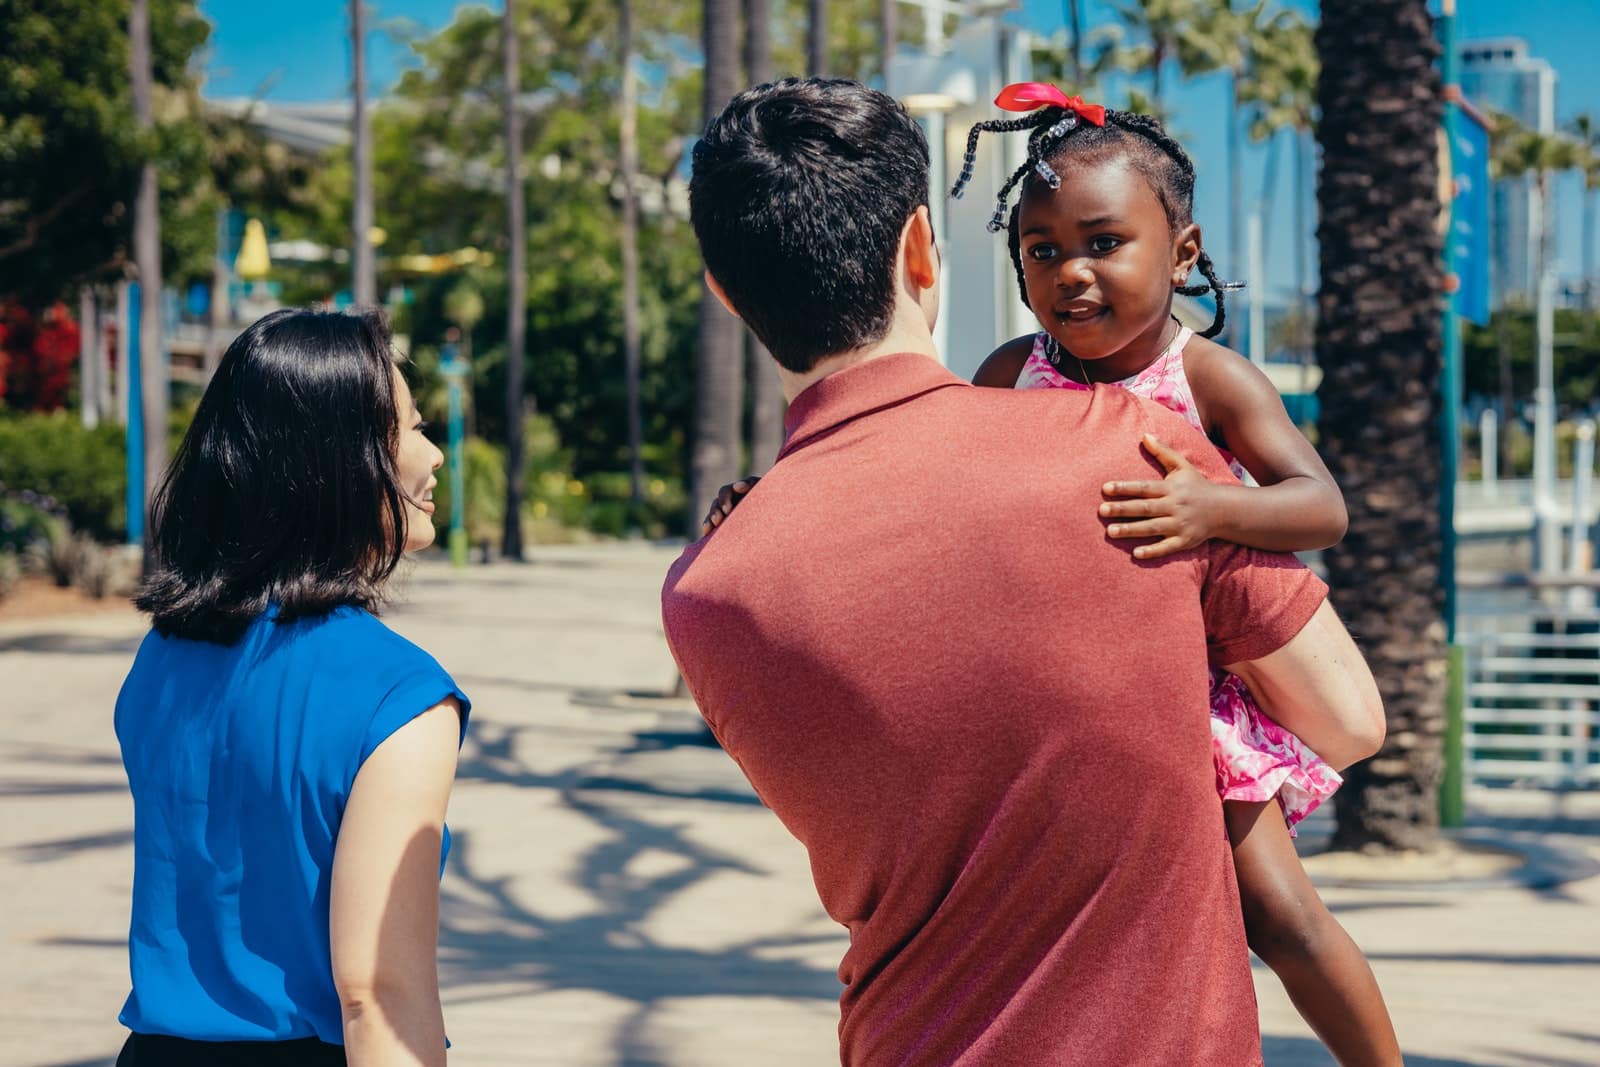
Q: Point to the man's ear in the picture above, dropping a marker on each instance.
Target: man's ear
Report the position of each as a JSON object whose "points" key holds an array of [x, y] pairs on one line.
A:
{"points": [[920, 253], [722, 297], [1185, 253]]}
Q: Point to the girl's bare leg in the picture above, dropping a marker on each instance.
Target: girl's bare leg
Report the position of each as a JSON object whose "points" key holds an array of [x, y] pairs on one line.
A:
{"points": [[1292, 931]]}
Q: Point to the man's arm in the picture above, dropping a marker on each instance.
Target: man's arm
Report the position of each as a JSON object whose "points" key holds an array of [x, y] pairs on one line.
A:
{"points": [[1319, 688]]}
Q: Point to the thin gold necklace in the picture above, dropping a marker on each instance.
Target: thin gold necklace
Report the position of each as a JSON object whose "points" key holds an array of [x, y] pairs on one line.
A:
{"points": [[1083, 370]]}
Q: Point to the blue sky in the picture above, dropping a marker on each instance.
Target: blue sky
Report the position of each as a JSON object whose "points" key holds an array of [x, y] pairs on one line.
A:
{"points": [[297, 50]]}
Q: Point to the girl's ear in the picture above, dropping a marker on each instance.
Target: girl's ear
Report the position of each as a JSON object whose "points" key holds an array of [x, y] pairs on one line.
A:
{"points": [[1185, 253]]}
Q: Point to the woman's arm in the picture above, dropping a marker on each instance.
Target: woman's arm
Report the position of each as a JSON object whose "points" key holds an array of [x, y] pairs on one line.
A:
{"points": [[1298, 506], [384, 912]]}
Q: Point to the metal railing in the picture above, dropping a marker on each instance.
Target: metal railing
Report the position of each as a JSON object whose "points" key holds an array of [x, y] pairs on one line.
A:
{"points": [[1532, 707]]}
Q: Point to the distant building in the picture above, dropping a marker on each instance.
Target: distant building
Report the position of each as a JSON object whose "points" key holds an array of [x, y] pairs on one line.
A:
{"points": [[1499, 75]]}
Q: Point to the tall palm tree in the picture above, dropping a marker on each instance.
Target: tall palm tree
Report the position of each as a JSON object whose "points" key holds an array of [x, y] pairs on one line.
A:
{"points": [[1156, 29], [516, 283], [719, 393], [1074, 15], [1222, 36], [153, 388], [1517, 151], [1587, 131], [766, 390], [364, 286], [1379, 343], [629, 159], [1281, 94], [888, 39], [817, 38]]}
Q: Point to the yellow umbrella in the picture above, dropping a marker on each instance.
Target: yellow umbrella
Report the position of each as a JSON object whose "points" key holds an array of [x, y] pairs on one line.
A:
{"points": [[253, 262]]}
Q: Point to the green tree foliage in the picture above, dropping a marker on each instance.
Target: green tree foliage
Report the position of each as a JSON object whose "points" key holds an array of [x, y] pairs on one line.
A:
{"points": [[438, 157], [69, 152], [1510, 335]]}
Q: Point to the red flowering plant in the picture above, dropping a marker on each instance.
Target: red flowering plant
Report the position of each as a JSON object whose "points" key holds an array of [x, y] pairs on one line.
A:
{"points": [[37, 354]]}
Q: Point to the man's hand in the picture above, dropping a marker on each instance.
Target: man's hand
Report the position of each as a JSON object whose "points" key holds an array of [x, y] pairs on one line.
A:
{"points": [[1180, 509], [727, 499]]}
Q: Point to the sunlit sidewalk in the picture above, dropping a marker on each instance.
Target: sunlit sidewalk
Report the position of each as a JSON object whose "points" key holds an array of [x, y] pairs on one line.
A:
{"points": [[616, 895]]}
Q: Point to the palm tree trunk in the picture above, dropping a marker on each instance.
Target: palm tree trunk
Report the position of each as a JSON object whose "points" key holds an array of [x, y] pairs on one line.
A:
{"points": [[364, 287], [1075, 22], [1507, 394], [1379, 343], [517, 284], [1236, 205], [766, 390], [630, 253], [88, 340], [1588, 249], [888, 39], [153, 391], [719, 399], [1301, 227], [817, 39]]}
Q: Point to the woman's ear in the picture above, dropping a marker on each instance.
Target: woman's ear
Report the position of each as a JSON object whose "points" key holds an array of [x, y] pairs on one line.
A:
{"points": [[1185, 253]]}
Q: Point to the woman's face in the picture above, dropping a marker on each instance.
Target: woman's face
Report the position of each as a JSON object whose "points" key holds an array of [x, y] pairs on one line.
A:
{"points": [[416, 458]]}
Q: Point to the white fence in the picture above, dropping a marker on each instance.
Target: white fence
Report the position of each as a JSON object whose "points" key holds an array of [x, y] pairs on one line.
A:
{"points": [[1532, 713]]}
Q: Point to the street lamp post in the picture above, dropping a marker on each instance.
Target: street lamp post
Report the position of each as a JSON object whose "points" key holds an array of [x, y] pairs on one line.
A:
{"points": [[454, 370]]}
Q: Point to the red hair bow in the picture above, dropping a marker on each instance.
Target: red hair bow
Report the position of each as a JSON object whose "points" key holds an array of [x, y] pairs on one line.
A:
{"points": [[1029, 96]]}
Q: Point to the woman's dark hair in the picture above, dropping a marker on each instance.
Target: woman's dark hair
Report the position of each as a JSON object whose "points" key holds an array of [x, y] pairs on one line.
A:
{"points": [[284, 490], [801, 189], [1059, 137]]}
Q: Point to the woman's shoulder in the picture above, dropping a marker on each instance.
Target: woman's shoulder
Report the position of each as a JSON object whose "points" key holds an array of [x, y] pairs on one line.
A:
{"points": [[360, 626]]}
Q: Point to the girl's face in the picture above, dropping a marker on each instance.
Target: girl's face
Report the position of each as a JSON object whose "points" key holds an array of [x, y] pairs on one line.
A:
{"points": [[416, 458], [1100, 263]]}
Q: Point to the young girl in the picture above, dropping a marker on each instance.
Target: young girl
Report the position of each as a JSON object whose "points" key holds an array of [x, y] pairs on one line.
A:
{"points": [[1101, 239]]}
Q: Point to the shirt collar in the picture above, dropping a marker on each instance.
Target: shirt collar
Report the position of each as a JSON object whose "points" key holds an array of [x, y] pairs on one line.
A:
{"points": [[861, 389]]}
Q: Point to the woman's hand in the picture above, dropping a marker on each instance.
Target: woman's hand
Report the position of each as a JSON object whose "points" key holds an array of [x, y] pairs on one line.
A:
{"points": [[1180, 509], [727, 499]]}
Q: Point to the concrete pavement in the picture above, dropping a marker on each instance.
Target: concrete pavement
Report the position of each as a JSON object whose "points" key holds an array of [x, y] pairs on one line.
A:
{"points": [[616, 896]]}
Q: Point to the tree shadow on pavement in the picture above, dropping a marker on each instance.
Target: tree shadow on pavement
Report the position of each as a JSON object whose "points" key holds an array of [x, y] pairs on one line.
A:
{"points": [[491, 939], [69, 644]]}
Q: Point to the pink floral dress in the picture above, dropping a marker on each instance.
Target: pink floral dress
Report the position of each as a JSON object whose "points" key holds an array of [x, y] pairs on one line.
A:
{"points": [[1255, 758]]}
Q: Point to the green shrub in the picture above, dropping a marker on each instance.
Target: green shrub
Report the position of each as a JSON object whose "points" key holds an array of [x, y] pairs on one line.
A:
{"points": [[28, 520], [81, 469], [612, 512], [484, 477]]}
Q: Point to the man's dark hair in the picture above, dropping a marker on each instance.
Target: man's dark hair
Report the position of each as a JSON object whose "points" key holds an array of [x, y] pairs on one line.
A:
{"points": [[1059, 138], [801, 189], [284, 490]]}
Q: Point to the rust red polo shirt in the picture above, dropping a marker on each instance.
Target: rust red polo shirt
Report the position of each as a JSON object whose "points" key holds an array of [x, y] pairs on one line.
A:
{"points": [[986, 722]]}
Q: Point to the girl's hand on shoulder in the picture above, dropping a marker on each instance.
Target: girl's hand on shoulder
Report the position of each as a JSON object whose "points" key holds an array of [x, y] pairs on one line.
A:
{"points": [[1179, 510], [727, 499]]}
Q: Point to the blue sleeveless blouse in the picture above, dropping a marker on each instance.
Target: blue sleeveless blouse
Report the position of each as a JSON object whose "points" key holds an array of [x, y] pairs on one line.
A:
{"points": [[240, 759]]}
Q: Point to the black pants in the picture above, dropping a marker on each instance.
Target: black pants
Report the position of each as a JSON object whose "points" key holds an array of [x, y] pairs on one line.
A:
{"points": [[154, 1050]]}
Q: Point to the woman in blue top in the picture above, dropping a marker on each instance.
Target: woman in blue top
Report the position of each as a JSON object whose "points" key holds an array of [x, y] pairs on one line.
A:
{"points": [[290, 757]]}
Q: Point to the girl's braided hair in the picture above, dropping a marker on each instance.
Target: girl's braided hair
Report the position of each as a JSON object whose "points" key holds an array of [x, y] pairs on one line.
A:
{"points": [[1058, 133]]}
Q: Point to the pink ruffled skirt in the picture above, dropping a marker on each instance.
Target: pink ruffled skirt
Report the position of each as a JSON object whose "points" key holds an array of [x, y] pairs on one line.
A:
{"points": [[1257, 760]]}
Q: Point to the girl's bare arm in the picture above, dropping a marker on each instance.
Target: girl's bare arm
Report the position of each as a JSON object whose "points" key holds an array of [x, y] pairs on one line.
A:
{"points": [[1298, 506]]}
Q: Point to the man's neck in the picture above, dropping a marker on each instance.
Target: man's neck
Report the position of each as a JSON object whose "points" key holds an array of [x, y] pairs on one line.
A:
{"points": [[900, 339]]}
